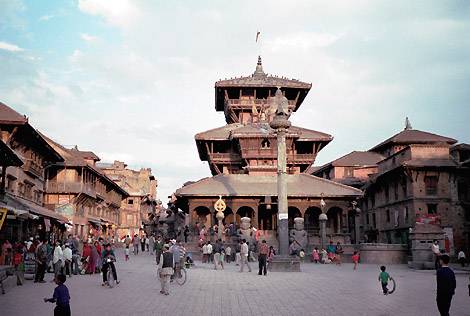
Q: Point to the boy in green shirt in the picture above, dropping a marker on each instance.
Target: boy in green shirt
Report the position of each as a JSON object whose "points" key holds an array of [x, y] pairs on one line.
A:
{"points": [[383, 278]]}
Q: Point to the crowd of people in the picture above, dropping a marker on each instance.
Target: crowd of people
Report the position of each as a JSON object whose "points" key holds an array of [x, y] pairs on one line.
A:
{"points": [[75, 256]]}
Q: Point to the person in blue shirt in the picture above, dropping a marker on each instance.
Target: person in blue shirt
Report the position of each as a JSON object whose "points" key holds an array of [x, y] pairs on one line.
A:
{"points": [[61, 297], [108, 253], [446, 285]]}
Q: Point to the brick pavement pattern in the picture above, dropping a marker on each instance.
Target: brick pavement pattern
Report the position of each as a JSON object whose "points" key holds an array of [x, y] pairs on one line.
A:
{"points": [[317, 290]]}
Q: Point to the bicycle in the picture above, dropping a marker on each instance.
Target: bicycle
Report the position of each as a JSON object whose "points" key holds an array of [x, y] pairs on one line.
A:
{"points": [[109, 274], [180, 275]]}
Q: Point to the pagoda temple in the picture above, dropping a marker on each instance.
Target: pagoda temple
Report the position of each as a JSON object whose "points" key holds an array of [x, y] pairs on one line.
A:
{"points": [[242, 157]]}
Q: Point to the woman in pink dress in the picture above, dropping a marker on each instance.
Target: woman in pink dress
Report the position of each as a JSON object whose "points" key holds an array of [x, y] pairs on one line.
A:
{"points": [[315, 255]]}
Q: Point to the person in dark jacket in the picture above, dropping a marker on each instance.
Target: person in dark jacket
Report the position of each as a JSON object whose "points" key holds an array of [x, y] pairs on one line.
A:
{"points": [[446, 284], [165, 269]]}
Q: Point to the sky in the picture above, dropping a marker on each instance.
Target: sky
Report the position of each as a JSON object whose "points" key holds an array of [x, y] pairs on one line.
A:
{"points": [[134, 80]]}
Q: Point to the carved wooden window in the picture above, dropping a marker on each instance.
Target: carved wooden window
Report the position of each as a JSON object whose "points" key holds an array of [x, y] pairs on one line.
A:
{"points": [[430, 184], [387, 195], [265, 144], [387, 214], [349, 172], [432, 208]]}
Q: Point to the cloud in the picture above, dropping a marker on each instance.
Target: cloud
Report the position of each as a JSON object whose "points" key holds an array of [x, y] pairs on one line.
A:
{"points": [[144, 89], [116, 12], [10, 47], [303, 41], [88, 38], [46, 17]]}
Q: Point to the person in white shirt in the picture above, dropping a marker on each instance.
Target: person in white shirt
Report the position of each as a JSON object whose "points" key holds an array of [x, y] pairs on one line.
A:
{"points": [[462, 258], [244, 256], [436, 251], [204, 253], [58, 259], [68, 260], [29, 243], [209, 252], [228, 254]]}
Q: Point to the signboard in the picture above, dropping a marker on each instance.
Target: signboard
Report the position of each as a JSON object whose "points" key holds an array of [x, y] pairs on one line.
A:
{"points": [[428, 219], [449, 240], [282, 216], [66, 210], [3, 215]]}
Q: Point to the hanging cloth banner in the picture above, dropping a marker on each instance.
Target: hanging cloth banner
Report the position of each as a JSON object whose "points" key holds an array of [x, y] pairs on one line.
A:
{"points": [[47, 223], [3, 215]]}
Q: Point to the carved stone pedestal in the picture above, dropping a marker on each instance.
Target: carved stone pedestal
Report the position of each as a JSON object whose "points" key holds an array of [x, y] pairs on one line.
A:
{"points": [[284, 264]]}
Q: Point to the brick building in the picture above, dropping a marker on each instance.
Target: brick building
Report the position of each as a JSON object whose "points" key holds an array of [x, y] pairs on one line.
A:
{"points": [[141, 202], [25, 156], [78, 190], [414, 176]]}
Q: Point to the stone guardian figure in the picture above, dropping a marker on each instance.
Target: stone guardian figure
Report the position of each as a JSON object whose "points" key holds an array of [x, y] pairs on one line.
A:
{"points": [[298, 236]]}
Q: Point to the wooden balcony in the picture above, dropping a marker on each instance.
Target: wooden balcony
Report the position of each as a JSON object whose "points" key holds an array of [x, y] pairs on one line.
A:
{"points": [[267, 153], [32, 168], [248, 103], [71, 187], [224, 157]]}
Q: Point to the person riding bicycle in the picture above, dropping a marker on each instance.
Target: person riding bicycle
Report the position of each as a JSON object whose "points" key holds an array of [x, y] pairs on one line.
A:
{"points": [[108, 261]]}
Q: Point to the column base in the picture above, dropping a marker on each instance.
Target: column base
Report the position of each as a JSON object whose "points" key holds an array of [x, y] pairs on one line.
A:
{"points": [[284, 264]]}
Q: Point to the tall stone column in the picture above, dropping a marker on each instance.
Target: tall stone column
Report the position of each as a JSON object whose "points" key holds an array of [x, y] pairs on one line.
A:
{"points": [[322, 218], [280, 124]]}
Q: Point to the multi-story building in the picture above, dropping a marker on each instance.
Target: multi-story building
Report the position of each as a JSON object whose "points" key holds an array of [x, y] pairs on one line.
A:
{"points": [[242, 157], [352, 169], [141, 202], [412, 177], [78, 190], [23, 182]]}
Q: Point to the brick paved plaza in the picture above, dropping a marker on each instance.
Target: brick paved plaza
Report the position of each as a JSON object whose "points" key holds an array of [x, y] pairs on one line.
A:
{"points": [[318, 290]]}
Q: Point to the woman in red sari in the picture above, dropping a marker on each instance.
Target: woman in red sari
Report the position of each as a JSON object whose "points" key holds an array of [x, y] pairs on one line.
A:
{"points": [[86, 256]]}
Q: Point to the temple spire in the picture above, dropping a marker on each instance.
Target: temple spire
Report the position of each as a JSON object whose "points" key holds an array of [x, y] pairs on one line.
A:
{"points": [[259, 68], [407, 124]]}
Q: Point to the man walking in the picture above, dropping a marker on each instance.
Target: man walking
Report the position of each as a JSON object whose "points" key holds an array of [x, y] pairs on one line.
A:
{"points": [[217, 250], [151, 244], [165, 269], [75, 255], [244, 256], [158, 248], [445, 285], [41, 259], [136, 244], [209, 252], [262, 257]]}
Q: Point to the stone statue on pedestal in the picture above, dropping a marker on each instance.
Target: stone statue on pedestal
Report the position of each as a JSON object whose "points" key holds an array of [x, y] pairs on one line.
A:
{"points": [[246, 231], [298, 236]]}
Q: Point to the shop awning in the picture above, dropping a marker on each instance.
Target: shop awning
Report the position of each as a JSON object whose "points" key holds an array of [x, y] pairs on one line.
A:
{"points": [[94, 221], [21, 207]]}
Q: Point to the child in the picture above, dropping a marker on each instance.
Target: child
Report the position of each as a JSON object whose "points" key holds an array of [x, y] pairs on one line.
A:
{"points": [[302, 255], [383, 278], [355, 259], [222, 258], [61, 297], [324, 256], [127, 252], [315, 255]]}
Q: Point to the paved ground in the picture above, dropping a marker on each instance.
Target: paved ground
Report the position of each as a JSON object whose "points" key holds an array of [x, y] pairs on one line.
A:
{"points": [[318, 290]]}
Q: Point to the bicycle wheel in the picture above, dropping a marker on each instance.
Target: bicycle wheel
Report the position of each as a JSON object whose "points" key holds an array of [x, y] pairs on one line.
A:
{"points": [[181, 278], [111, 281]]}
